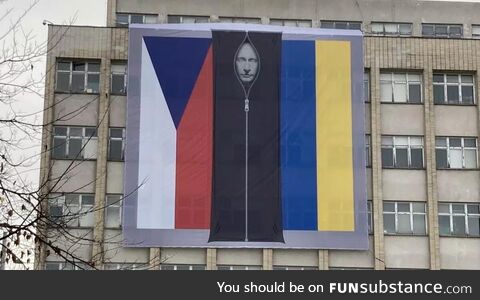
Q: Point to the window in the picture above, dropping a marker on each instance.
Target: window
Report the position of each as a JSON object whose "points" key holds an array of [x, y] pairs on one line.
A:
{"points": [[170, 267], [294, 268], [292, 23], [113, 211], [116, 145], [188, 19], [366, 86], [476, 30], [72, 210], [453, 89], [404, 218], [237, 267], [119, 79], [442, 30], [391, 28], [456, 152], [123, 19], [368, 150], [123, 266], [66, 266], [402, 152], [401, 87], [78, 77], [459, 219], [370, 216], [240, 20], [341, 25], [74, 142]]}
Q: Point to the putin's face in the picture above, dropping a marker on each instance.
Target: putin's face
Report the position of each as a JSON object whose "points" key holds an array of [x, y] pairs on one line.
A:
{"points": [[246, 63]]}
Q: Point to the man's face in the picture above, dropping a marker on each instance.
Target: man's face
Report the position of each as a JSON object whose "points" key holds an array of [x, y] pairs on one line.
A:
{"points": [[246, 63]]}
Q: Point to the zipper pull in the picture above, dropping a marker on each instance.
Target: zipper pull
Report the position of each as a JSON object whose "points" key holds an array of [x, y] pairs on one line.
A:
{"points": [[247, 107]]}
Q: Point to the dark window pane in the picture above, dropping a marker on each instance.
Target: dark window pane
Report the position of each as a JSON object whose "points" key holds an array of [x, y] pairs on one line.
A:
{"points": [[401, 158], [63, 66], [93, 67], [452, 94], [438, 78], [90, 132], [452, 78], [473, 226], [458, 208], [78, 82], [168, 267], [341, 25], [473, 209], [470, 142], [427, 30], [88, 199], [63, 81], [60, 130], [459, 225], [136, 19], [389, 223], [467, 94], [443, 208], [414, 93], [118, 84], [404, 225], [93, 83], [115, 152], [455, 142], [441, 158], [388, 207], [406, 29], [116, 132], [419, 224], [59, 147], [403, 207], [440, 29], [438, 94], [183, 267], [387, 157], [444, 223], [418, 207], [74, 148], [455, 31], [122, 19], [355, 26], [417, 158], [78, 66], [173, 19]]}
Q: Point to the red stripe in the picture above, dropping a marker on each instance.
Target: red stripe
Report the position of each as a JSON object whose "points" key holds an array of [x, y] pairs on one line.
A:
{"points": [[194, 155]]}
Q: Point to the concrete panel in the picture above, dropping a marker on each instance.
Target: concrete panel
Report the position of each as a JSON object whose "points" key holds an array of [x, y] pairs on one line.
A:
{"points": [[118, 111], [115, 253], [402, 119], [404, 185], [248, 257], [76, 242], [115, 177], [287, 257], [76, 109], [457, 185], [459, 253], [352, 259], [70, 176], [184, 256], [407, 252], [451, 120]]}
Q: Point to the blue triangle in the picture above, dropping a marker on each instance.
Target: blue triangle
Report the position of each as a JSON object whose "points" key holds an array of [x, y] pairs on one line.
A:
{"points": [[177, 63]]}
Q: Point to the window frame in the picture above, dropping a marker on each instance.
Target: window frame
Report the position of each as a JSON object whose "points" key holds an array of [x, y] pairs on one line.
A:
{"points": [[281, 22], [335, 22], [476, 26], [368, 150], [448, 28], [129, 19], [71, 72], [125, 76], [408, 82], [117, 204], [240, 20], [458, 84], [462, 147], [68, 217], [409, 152], [122, 139], [411, 214], [239, 267], [464, 214], [366, 86], [84, 138], [175, 267], [385, 33]]}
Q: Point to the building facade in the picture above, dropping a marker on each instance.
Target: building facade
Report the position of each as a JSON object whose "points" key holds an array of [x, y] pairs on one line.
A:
{"points": [[422, 60]]}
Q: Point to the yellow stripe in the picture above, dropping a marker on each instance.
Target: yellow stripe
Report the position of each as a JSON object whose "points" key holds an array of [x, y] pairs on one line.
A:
{"points": [[334, 136]]}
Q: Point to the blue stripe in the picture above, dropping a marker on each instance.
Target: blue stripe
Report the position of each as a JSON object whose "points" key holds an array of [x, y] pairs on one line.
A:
{"points": [[177, 62], [298, 145]]}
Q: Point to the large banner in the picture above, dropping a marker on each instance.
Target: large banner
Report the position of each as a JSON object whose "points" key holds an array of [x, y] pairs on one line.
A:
{"points": [[245, 136]]}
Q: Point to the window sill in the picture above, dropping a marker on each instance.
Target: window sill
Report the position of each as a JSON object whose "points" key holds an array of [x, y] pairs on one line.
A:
{"points": [[455, 104], [115, 160], [395, 168], [76, 93], [461, 236], [405, 234], [118, 94], [458, 169], [75, 159], [401, 103]]}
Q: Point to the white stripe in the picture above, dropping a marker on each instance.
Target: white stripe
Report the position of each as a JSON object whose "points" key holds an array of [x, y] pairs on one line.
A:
{"points": [[157, 153]]}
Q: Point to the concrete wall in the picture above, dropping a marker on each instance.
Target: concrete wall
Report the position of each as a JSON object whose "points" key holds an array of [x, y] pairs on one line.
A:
{"points": [[404, 185], [76, 109], [352, 259], [73, 176], [456, 120], [118, 108], [460, 253], [402, 119], [304, 258], [249, 257], [183, 256], [115, 177], [407, 252], [458, 185]]}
